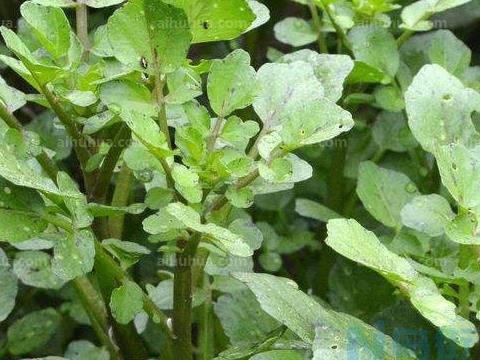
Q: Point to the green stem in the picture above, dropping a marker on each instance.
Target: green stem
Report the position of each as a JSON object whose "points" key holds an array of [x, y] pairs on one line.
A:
{"points": [[162, 112], [96, 311], [206, 326], [317, 23], [214, 135], [338, 29], [81, 13], [120, 198], [104, 177], [9, 118], [464, 299], [182, 299]]}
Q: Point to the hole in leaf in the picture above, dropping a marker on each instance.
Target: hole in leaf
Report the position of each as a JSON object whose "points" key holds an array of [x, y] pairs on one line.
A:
{"points": [[334, 347]]}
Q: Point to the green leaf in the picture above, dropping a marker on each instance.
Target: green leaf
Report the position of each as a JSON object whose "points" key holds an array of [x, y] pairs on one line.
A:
{"points": [[428, 214], [208, 20], [231, 83], [99, 210], [238, 133], [241, 198], [283, 89], [10, 97], [391, 132], [142, 32], [330, 70], [184, 85], [34, 268], [314, 123], [8, 284], [295, 31], [77, 206], [458, 166], [376, 47], [242, 319], [44, 73], [280, 298], [50, 26], [261, 12], [384, 193], [279, 355], [17, 226], [124, 96], [32, 331], [314, 210], [187, 183], [463, 229], [85, 350], [128, 253], [126, 302], [365, 73], [414, 16], [351, 240], [449, 52], [74, 255], [231, 242], [389, 98], [439, 109]]}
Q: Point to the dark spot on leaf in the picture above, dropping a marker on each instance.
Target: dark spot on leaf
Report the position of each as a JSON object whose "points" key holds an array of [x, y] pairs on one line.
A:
{"points": [[447, 97], [206, 25], [334, 347]]}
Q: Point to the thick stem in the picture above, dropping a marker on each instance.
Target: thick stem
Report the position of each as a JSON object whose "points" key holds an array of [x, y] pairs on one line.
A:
{"points": [[82, 28], [182, 308], [120, 198], [104, 177], [96, 311], [214, 135], [162, 113]]}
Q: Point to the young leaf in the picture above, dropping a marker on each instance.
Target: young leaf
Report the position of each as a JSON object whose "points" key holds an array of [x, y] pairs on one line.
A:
{"points": [[428, 214], [128, 253], [141, 34], [233, 243], [231, 83], [126, 302], [295, 31], [187, 183], [32, 331], [50, 26], [439, 109], [384, 192], [376, 47]]}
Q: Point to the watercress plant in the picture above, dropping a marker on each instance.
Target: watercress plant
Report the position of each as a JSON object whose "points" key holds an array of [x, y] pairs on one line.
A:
{"points": [[151, 183]]}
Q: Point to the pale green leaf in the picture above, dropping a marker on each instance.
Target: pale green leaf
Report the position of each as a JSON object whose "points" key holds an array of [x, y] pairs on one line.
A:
{"points": [[8, 284], [376, 47], [283, 89], [439, 109], [295, 31], [384, 192], [34, 268], [315, 210], [231, 83], [50, 26], [428, 214], [77, 206], [85, 350], [351, 240], [331, 70], [74, 255]]}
